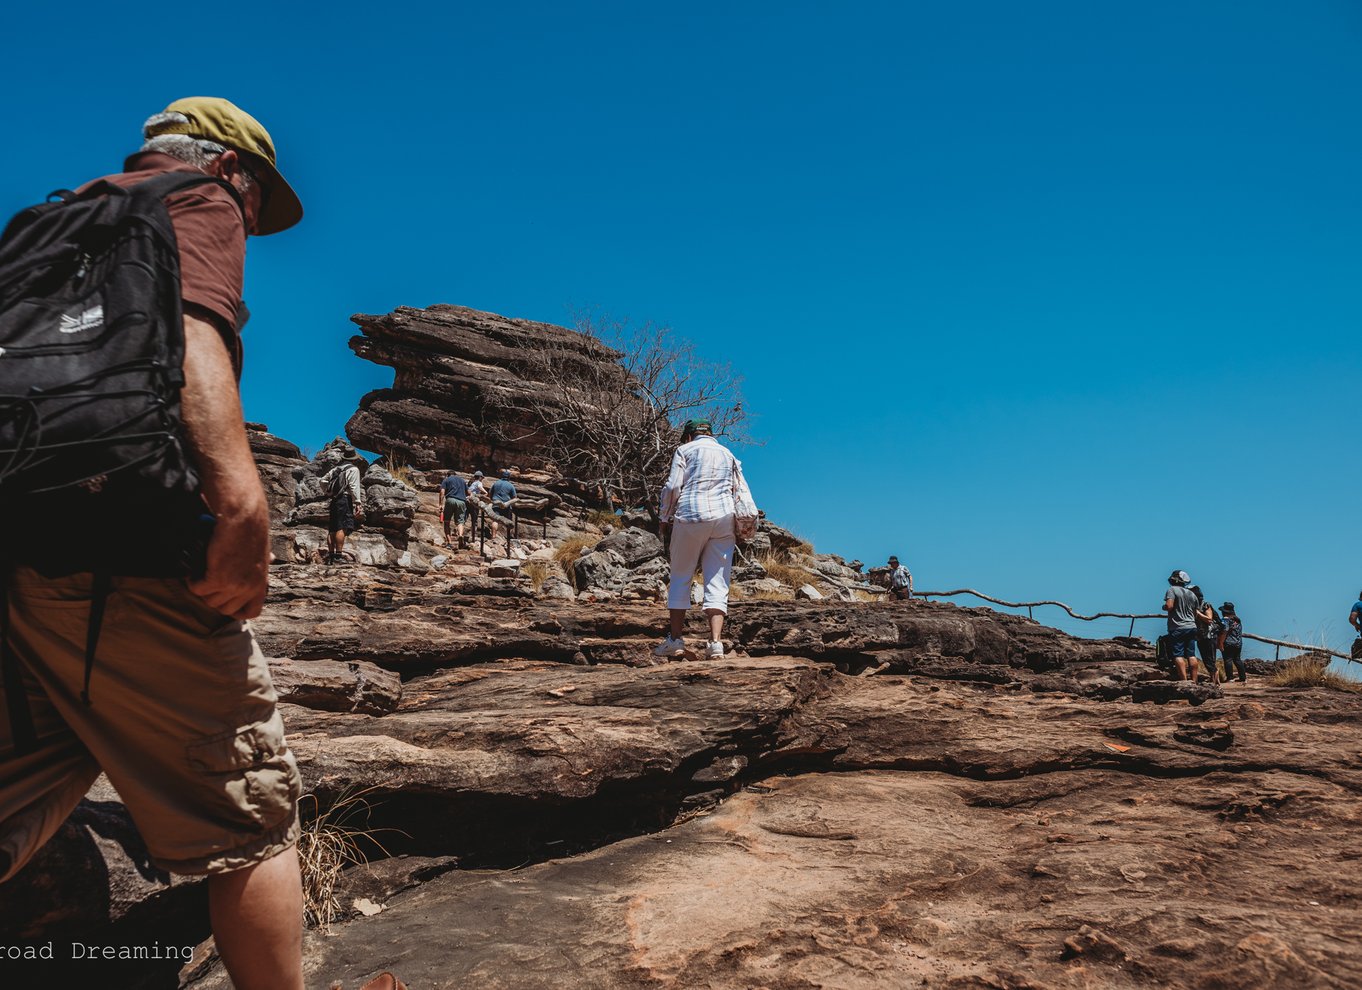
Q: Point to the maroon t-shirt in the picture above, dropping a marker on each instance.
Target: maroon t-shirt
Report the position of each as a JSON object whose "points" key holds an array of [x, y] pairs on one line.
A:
{"points": [[211, 236]]}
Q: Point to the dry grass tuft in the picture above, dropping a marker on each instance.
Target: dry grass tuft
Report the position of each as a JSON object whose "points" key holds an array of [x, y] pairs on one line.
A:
{"points": [[771, 596], [571, 548], [802, 548], [402, 472], [328, 843], [785, 571], [539, 571], [602, 518], [1310, 670]]}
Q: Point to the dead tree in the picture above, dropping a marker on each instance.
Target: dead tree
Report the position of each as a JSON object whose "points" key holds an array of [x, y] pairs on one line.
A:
{"points": [[614, 427]]}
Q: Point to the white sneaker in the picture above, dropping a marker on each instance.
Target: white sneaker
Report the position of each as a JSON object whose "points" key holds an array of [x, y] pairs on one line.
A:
{"points": [[716, 651], [670, 648]]}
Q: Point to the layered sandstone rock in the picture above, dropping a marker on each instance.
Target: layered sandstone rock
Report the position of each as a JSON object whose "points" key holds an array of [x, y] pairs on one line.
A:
{"points": [[466, 389], [986, 804]]}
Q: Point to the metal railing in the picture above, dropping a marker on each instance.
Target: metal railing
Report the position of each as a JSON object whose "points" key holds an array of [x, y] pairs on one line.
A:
{"points": [[1030, 606]]}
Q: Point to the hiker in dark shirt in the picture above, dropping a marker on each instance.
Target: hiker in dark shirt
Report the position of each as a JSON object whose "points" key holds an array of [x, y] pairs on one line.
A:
{"points": [[454, 491], [1207, 632], [1232, 642]]}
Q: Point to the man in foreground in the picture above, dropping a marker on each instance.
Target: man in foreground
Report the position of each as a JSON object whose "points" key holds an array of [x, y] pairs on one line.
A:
{"points": [[179, 711]]}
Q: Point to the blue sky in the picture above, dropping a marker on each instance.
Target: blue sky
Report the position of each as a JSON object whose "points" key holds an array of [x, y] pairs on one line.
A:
{"points": [[1047, 298]]}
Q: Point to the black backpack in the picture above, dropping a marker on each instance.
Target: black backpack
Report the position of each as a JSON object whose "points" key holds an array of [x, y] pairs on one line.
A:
{"points": [[92, 342], [91, 368]]}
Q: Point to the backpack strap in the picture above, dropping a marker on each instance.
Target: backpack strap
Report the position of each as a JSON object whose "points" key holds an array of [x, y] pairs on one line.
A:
{"points": [[99, 597], [22, 734]]}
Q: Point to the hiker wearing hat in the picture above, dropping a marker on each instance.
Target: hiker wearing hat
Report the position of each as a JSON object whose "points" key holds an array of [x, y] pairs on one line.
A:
{"points": [[1232, 642], [900, 580], [1181, 604], [503, 502], [342, 485], [173, 699], [700, 505]]}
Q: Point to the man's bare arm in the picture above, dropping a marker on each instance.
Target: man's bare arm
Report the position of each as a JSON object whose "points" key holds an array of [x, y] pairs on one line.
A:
{"points": [[237, 575]]}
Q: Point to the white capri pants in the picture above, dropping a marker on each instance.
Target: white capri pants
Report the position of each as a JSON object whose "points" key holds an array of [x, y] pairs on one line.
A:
{"points": [[710, 545]]}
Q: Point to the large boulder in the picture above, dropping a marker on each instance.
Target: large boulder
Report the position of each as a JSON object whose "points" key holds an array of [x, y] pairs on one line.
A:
{"points": [[633, 546]]}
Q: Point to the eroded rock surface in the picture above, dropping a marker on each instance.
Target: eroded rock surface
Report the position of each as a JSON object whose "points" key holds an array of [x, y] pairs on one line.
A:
{"points": [[858, 795]]}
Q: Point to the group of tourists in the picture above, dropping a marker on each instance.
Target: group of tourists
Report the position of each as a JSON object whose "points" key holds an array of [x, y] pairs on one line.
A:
{"points": [[1195, 626], [464, 502]]}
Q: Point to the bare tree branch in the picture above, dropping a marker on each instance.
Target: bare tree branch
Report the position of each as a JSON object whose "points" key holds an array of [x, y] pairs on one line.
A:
{"points": [[614, 426]]}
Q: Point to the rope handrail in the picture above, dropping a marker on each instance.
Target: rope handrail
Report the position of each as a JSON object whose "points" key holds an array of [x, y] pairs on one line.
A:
{"points": [[1122, 615], [999, 601]]}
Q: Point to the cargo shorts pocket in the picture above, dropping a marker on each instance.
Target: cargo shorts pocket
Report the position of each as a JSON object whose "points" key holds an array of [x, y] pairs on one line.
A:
{"points": [[252, 770]]}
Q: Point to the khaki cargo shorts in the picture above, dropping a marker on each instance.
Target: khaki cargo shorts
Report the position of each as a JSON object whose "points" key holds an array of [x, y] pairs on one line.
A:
{"points": [[182, 718]]}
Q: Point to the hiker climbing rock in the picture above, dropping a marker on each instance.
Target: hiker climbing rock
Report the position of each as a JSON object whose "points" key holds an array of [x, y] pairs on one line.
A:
{"points": [[503, 502], [174, 701], [342, 484], [1181, 603], [454, 494], [704, 502]]}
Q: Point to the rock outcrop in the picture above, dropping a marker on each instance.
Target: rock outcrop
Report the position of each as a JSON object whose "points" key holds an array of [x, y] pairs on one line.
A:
{"points": [[916, 790], [467, 390], [860, 793]]}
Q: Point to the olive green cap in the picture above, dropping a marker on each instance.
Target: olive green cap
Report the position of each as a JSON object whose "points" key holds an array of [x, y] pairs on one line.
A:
{"points": [[220, 120]]}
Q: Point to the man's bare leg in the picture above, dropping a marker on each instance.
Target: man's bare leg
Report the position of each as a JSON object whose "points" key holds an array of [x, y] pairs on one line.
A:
{"points": [[716, 624], [1192, 669], [257, 916], [340, 541], [678, 622], [1182, 668]]}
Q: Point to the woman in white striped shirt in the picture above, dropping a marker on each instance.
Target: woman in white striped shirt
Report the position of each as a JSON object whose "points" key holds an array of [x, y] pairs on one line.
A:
{"points": [[699, 504]]}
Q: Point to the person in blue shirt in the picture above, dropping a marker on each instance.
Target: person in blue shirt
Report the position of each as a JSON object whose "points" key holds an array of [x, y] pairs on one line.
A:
{"points": [[503, 501], [455, 492]]}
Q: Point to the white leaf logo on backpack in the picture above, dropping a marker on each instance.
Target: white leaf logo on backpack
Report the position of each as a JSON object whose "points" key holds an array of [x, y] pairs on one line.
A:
{"points": [[90, 319]]}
